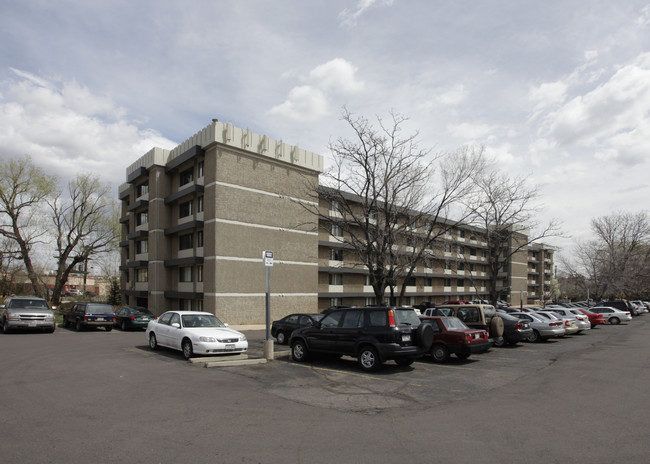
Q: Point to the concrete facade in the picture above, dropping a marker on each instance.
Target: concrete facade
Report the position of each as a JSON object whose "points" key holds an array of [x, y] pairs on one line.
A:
{"points": [[205, 211], [196, 219]]}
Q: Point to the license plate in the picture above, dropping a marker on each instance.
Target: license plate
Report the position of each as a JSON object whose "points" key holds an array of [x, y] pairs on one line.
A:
{"points": [[230, 346], [99, 319], [476, 336], [32, 324], [406, 337]]}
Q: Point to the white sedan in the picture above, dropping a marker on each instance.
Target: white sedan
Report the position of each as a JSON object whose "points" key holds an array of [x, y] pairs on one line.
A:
{"points": [[612, 315], [194, 332]]}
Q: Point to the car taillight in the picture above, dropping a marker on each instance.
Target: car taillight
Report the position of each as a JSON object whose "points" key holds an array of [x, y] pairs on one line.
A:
{"points": [[85, 317], [391, 318], [566, 323], [518, 326], [132, 318]]}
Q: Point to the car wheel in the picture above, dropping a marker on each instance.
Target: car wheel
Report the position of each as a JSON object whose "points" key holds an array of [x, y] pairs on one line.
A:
{"points": [[368, 359], [614, 320], [534, 337], [439, 353], [77, 326], [499, 342], [404, 361], [496, 327], [153, 341], [425, 336], [282, 339], [299, 351], [187, 348], [123, 326]]}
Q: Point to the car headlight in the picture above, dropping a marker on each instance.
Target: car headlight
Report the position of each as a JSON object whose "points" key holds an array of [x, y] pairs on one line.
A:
{"points": [[243, 338], [207, 339]]}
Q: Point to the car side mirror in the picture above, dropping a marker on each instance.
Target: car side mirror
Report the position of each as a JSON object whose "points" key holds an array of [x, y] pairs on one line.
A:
{"points": [[225, 324], [176, 324]]}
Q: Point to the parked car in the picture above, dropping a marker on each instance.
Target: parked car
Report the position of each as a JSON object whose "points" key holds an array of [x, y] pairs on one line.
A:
{"points": [[582, 321], [543, 329], [283, 328], [372, 335], [640, 306], [82, 315], [621, 305], [26, 312], [594, 318], [477, 316], [194, 332], [132, 317], [612, 315], [514, 330], [452, 336], [569, 324]]}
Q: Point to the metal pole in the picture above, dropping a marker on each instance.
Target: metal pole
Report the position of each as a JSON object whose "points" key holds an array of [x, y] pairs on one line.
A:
{"points": [[268, 303]]}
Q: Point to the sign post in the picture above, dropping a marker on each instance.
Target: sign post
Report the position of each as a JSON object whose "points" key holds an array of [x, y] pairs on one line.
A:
{"points": [[267, 258]]}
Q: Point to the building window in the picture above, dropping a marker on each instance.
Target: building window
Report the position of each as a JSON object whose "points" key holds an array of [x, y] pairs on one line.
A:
{"points": [[472, 251], [336, 254], [428, 282], [141, 275], [185, 274], [461, 234], [142, 218], [199, 204], [187, 176], [335, 206], [370, 301], [448, 247], [461, 250], [428, 263], [185, 209], [185, 305], [198, 305], [336, 230], [335, 302], [185, 242], [336, 279], [141, 246], [200, 168], [447, 283], [199, 239], [199, 273], [367, 282], [484, 253], [142, 189], [448, 265], [460, 282], [411, 282], [460, 266]]}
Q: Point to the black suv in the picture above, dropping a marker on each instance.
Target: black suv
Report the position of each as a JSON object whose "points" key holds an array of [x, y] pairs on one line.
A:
{"points": [[81, 315], [372, 335]]}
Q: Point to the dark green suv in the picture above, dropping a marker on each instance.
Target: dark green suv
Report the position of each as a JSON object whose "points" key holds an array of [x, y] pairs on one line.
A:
{"points": [[372, 335]]}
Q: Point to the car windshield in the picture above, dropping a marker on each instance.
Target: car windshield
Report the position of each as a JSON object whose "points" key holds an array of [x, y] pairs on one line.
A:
{"points": [[201, 320], [453, 323], [405, 316], [99, 309], [34, 304]]}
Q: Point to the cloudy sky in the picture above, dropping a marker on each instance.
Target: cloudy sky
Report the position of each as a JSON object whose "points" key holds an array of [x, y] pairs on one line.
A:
{"points": [[558, 90]]}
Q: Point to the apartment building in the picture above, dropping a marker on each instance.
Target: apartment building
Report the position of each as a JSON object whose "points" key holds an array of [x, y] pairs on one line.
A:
{"points": [[196, 220]]}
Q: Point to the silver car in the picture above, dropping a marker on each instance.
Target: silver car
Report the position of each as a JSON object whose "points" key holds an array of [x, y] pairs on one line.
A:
{"points": [[581, 320], [543, 329], [612, 315], [27, 313]]}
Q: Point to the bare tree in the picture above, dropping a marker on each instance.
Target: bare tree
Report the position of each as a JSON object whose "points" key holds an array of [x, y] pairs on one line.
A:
{"points": [[505, 208], [23, 189], [614, 264], [83, 226], [386, 200]]}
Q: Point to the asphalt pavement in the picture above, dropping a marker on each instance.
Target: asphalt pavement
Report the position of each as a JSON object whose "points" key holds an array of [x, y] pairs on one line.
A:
{"points": [[104, 397]]}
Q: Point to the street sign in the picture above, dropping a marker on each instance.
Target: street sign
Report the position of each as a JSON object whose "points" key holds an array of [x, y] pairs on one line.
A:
{"points": [[267, 256]]}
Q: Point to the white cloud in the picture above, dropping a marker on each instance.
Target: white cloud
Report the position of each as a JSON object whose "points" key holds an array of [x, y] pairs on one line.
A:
{"points": [[467, 131], [349, 16], [325, 84], [454, 96], [66, 129]]}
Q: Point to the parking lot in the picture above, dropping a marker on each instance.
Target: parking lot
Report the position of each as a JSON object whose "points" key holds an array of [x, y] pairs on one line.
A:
{"points": [[105, 397]]}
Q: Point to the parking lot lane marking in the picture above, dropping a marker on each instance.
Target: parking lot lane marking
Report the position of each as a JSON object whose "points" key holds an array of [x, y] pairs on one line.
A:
{"points": [[365, 376]]}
